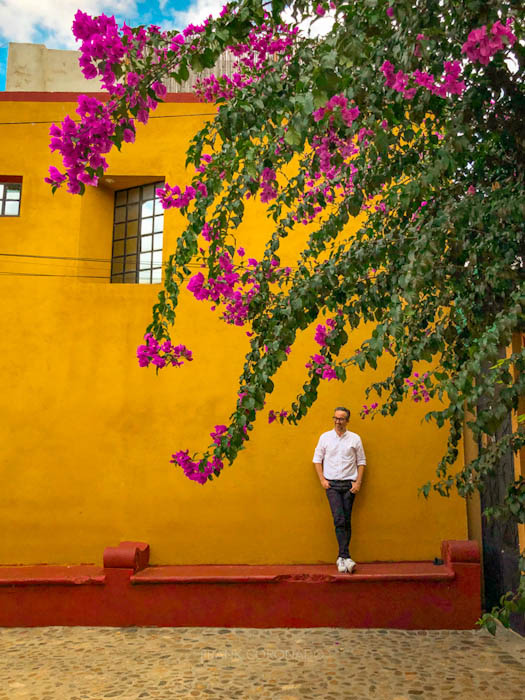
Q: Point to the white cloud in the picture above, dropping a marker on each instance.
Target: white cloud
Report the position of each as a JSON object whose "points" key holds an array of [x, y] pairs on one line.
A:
{"points": [[49, 21], [319, 26], [197, 11]]}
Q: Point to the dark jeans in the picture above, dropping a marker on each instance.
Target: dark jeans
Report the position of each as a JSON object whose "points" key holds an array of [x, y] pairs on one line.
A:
{"points": [[341, 501]]}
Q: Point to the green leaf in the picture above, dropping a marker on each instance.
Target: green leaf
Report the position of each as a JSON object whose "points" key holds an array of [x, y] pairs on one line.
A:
{"points": [[196, 63], [277, 7], [292, 137], [320, 98]]}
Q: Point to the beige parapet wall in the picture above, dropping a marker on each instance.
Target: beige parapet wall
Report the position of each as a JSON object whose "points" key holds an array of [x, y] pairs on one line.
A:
{"points": [[35, 68]]}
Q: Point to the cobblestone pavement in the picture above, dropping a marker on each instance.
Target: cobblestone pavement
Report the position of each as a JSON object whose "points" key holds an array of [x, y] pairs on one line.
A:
{"points": [[91, 663]]}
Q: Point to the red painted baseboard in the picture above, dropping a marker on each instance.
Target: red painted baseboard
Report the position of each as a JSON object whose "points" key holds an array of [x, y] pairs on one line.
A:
{"points": [[402, 595]]}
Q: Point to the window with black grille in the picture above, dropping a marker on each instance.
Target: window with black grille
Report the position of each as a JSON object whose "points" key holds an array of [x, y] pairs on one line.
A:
{"points": [[10, 195], [138, 227]]}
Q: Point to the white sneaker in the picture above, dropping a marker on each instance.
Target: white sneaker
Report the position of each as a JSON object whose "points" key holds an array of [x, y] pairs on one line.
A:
{"points": [[341, 565], [349, 565]]}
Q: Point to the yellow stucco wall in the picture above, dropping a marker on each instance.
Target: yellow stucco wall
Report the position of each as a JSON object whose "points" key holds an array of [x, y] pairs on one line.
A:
{"points": [[87, 435]]}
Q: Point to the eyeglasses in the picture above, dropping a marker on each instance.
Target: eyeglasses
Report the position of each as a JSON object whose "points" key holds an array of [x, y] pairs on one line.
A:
{"points": [[340, 420]]}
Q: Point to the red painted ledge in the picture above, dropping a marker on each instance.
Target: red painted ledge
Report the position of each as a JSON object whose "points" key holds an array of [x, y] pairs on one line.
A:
{"points": [[306, 573], [43, 574], [399, 595]]}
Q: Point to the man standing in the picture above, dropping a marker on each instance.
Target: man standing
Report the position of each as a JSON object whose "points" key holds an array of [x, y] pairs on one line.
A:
{"points": [[339, 460]]}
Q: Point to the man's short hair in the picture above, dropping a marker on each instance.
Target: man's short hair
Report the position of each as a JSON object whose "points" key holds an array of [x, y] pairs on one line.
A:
{"points": [[343, 408]]}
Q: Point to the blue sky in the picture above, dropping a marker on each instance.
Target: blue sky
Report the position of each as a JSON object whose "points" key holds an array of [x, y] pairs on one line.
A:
{"points": [[49, 21]]}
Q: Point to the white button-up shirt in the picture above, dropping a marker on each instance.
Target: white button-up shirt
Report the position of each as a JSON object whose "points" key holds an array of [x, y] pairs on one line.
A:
{"points": [[340, 456]]}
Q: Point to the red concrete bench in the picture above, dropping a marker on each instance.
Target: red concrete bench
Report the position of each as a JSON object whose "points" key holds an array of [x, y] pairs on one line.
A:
{"points": [[126, 591]]}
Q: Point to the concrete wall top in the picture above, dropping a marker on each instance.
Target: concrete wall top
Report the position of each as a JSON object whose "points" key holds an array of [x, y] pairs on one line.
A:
{"points": [[35, 68]]}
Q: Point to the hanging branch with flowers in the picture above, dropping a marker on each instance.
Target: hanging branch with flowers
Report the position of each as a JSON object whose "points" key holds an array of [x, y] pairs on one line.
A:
{"points": [[408, 115]]}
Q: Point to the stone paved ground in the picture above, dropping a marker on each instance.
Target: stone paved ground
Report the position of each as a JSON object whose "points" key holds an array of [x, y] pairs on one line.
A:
{"points": [[91, 663]]}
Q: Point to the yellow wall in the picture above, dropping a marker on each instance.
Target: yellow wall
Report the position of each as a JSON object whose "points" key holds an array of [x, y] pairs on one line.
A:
{"points": [[87, 435]]}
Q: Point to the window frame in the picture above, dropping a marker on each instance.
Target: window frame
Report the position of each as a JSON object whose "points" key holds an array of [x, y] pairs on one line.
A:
{"points": [[150, 273], [5, 182]]}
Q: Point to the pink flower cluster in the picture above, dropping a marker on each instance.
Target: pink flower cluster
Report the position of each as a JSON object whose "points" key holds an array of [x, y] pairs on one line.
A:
{"points": [[218, 433], [331, 154], [198, 471], [106, 49], [273, 415], [162, 354], [320, 334], [159, 89], [264, 44], [205, 161], [321, 11], [415, 215], [417, 47], [481, 45], [201, 470], [174, 197], [224, 288], [324, 185], [366, 410], [211, 89], [178, 40], [82, 144], [320, 365], [323, 331], [397, 81], [256, 56], [449, 83], [417, 387], [268, 185], [101, 41], [104, 46], [348, 114]]}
